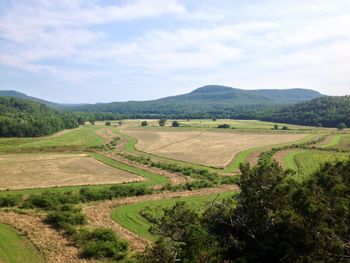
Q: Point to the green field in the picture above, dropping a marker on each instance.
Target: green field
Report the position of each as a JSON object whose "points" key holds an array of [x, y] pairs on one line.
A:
{"points": [[16, 248], [129, 216], [305, 162], [236, 124], [76, 138]]}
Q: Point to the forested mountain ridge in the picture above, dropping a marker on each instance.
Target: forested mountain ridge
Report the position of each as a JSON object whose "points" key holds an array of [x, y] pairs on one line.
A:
{"points": [[25, 118], [20, 95], [325, 111], [207, 100]]}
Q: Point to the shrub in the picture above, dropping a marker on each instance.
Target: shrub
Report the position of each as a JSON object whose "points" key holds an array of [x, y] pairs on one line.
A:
{"points": [[101, 243], [108, 123], [175, 124], [9, 201], [223, 126], [144, 123], [65, 217]]}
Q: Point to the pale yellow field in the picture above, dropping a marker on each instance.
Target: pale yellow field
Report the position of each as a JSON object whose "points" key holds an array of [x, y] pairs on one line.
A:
{"points": [[205, 147], [23, 171]]}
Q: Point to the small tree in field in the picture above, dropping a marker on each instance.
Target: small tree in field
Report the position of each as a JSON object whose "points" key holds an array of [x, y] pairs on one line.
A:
{"points": [[162, 122], [341, 126], [144, 123], [120, 123], [175, 124], [275, 127], [108, 123]]}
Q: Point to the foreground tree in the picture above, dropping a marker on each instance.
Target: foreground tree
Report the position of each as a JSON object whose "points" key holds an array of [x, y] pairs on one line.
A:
{"points": [[274, 218]]}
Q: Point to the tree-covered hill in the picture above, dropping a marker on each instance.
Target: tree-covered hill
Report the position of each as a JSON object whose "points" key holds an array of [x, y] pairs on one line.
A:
{"points": [[25, 118], [20, 95], [213, 100], [325, 111]]}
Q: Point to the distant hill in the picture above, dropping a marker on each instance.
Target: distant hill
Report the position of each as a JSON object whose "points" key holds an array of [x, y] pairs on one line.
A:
{"points": [[26, 118], [207, 100], [325, 111], [16, 94]]}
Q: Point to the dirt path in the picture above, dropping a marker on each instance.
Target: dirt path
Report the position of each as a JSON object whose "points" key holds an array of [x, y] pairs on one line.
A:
{"points": [[51, 245], [99, 214], [279, 157], [174, 178], [253, 158], [106, 134]]}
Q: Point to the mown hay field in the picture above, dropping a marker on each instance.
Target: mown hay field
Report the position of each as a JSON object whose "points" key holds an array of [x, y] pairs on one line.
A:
{"points": [[205, 147], [25, 171], [305, 162]]}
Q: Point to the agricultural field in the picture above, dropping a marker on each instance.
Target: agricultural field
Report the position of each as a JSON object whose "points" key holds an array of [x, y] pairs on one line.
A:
{"points": [[204, 147], [78, 138], [23, 171], [16, 248], [305, 162], [90, 164], [131, 216]]}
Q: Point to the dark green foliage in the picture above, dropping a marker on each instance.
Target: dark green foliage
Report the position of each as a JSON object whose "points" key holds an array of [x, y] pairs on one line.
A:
{"points": [[108, 123], [224, 126], [274, 218], [175, 124], [101, 243], [144, 123], [162, 122], [50, 200], [9, 201], [205, 103], [325, 111], [341, 126], [65, 217], [24, 118]]}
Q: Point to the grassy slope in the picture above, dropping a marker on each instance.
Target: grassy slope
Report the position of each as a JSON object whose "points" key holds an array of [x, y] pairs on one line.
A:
{"points": [[81, 137], [16, 248], [129, 216], [308, 161], [334, 141]]}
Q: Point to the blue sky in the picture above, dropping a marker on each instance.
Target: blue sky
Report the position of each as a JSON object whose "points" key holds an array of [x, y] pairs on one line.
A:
{"points": [[98, 51]]}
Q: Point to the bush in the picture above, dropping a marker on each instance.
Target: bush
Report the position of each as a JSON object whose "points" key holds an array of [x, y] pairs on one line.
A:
{"points": [[144, 123], [65, 217], [101, 243], [341, 126], [108, 123], [9, 201], [223, 126], [175, 124]]}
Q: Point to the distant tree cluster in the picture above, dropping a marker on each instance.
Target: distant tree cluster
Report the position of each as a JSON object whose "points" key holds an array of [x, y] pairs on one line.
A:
{"points": [[24, 118], [274, 218], [323, 112]]}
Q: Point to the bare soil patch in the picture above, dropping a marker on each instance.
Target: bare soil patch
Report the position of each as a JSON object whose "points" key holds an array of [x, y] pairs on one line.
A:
{"points": [[206, 148], [51, 245], [99, 214], [279, 156], [24, 171], [106, 134]]}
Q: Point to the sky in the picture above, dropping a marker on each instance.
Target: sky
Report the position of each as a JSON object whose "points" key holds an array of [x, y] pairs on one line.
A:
{"points": [[76, 51]]}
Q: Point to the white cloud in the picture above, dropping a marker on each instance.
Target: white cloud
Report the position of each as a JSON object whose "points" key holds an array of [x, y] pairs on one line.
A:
{"points": [[251, 45]]}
